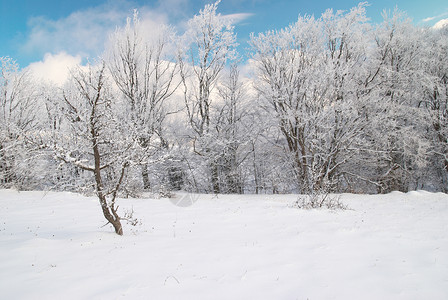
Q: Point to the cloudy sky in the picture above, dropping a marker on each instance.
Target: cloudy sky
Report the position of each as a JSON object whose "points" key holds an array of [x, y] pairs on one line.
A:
{"points": [[47, 33]]}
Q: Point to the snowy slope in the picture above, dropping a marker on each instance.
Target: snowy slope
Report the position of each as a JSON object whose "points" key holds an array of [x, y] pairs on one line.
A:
{"points": [[391, 246]]}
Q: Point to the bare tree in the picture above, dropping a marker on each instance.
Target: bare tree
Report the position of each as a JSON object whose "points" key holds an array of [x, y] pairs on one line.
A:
{"points": [[146, 78], [234, 129], [92, 138], [211, 43]]}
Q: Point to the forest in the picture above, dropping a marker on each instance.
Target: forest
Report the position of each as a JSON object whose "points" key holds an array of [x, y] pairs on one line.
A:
{"points": [[333, 103]]}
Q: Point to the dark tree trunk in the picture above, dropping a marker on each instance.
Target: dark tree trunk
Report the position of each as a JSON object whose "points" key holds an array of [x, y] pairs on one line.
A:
{"points": [[6, 167], [145, 177], [111, 215], [175, 178], [215, 178], [109, 210]]}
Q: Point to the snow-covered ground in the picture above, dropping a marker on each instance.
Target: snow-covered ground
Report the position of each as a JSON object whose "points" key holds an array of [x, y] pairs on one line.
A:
{"points": [[394, 246]]}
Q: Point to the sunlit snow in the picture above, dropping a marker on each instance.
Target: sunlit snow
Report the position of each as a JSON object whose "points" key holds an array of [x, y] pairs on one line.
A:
{"points": [[53, 246]]}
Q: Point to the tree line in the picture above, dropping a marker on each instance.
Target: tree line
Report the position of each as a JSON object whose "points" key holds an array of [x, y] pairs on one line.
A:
{"points": [[329, 104]]}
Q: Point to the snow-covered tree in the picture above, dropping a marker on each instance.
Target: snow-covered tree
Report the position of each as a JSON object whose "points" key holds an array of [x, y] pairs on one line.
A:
{"points": [[395, 137], [93, 138], [18, 116], [308, 75], [146, 78], [234, 131], [210, 44], [435, 88]]}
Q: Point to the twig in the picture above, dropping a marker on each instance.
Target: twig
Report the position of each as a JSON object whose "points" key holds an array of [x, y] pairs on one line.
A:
{"points": [[171, 276], [105, 224]]}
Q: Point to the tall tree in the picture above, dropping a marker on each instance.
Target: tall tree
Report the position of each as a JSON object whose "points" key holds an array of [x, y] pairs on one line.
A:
{"points": [[146, 77], [435, 87], [211, 44], [306, 74], [395, 137], [234, 130]]}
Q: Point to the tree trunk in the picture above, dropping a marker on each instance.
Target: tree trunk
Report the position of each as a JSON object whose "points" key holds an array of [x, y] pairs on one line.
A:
{"points": [[109, 210], [145, 177], [255, 169], [6, 168], [111, 217], [175, 178], [215, 178]]}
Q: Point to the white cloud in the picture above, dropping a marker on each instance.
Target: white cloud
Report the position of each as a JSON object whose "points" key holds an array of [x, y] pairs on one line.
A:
{"points": [[441, 23], [238, 18], [428, 19], [82, 32], [434, 17], [54, 67], [85, 32]]}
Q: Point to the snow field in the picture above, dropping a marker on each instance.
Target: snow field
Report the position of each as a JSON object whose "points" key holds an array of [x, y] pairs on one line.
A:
{"points": [[393, 246]]}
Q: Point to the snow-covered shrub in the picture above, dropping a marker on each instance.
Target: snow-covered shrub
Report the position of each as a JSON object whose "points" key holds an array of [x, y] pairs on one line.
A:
{"points": [[319, 199]]}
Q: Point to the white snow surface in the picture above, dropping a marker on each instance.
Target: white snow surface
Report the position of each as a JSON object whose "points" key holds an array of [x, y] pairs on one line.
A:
{"points": [[395, 246]]}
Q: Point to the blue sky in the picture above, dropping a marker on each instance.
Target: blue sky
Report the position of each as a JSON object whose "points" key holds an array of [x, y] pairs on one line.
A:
{"points": [[30, 29]]}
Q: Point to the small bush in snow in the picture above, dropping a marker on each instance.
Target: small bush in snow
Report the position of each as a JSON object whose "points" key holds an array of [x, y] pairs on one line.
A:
{"points": [[317, 199], [130, 219]]}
